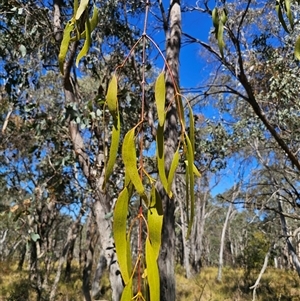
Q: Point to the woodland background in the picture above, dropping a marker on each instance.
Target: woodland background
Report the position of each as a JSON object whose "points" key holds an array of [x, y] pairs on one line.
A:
{"points": [[245, 238]]}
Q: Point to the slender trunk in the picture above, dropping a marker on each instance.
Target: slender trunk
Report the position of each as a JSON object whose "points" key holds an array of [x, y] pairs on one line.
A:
{"points": [[264, 267], [290, 247], [219, 277], [68, 268], [185, 242], [166, 259]]}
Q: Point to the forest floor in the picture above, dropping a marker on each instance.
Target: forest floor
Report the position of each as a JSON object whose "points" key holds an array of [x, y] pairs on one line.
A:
{"points": [[275, 285]]}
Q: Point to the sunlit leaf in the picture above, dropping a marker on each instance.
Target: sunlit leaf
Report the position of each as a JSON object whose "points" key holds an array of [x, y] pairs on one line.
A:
{"points": [[161, 156], [195, 170], [119, 231], [224, 16], [155, 220], [297, 49], [289, 12], [152, 272], [221, 43], [127, 292], [75, 6], [114, 146], [215, 18], [64, 46], [82, 7], [111, 97], [160, 98], [129, 158], [94, 20], [190, 167], [192, 128], [87, 42], [280, 15], [172, 171]]}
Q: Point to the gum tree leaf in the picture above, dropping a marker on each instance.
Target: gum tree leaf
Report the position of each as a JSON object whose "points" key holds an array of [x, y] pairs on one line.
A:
{"points": [[297, 49], [111, 97], [172, 171], [64, 46], [190, 158], [155, 220], [160, 98], [152, 272], [114, 146], [127, 292], [34, 236], [280, 15], [119, 231], [129, 158], [87, 42], [82, 7], [161, 156], [192, 128]]}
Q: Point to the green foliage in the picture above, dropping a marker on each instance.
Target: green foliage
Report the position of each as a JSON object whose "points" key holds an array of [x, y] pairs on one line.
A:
{"points": [[219, 18]]}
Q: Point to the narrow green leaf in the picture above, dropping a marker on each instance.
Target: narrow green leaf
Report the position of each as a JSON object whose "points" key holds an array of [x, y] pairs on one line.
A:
{"points": [[119, 232], [64, 46], [129, 158], [82, 7], [127, 292], [190, 158], [192, 128], [215, 18], [280, 15], [87, 43], [160, 98], [114, 146], [152, 272], [94, 20], [224, 16], [111, 97], [221, 43], [161, 156], [195, 170], [155, 220], [297, 49], [172, 171], [75, 6], [289, 14]]}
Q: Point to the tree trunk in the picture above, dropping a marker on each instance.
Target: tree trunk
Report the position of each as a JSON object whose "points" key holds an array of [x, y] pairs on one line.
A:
{"points": [[166, 259], [290, 247], [219, 277]]}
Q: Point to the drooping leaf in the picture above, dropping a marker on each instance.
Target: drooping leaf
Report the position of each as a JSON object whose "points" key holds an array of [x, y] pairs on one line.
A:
{"points": [[160, 98], [111, 97], [75, 6], [190, 167], [195, 169], [297, 49], [172, 171], [82, 7], [224, 16], [65, 45], [215, 19], [127, 292], [155, 219], [280, 15], [129, 158], [192, 128], [152, 272], [119, 232], [87, 42], [221, 43], [289, 14], [161, 156], [114, 146]]}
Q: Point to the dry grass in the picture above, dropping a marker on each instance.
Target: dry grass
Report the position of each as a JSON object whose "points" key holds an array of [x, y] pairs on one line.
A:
{"points": [[276, 285]]}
